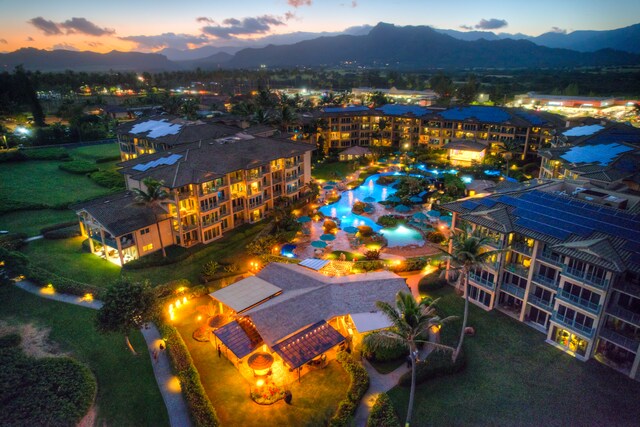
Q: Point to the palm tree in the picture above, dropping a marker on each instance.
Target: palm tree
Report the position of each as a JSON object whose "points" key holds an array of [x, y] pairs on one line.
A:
{"points": [[467, 254], [411, 323], [508, 149], [154, 198]]}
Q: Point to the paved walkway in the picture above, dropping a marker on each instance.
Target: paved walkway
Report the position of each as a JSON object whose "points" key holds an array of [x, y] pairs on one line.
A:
{"points": [[167, 383], [31, 239], [379, 383]]}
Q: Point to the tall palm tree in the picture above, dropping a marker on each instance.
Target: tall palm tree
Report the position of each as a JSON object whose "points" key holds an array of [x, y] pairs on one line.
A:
{"points": [[467, 253], [508, 149], [154, 198], [411, 323]]}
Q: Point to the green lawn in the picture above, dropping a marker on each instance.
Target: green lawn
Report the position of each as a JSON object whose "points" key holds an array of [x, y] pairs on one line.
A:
{"points": [[332, 171], [31, 221], [315, 398], [66, 258], [40, 182], [514, 378], [127, 391]]}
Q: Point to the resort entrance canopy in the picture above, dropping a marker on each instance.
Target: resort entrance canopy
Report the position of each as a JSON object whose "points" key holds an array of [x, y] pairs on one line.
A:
{"points": [[305, 345], [246, 293]]}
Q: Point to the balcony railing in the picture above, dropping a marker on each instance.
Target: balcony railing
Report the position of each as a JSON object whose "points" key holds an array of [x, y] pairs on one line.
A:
{"points": [[551, 258], [513, 290], [481, 281], [185, 195], [277, 193], [628, 288], [522, 248], [518, 269], [585, 277], [238, 208], [619, 339], [235, 179], [578, 301], [292, 177], [624, 314], [545, 281], [571, 323], [541, 303], [292, 190]]}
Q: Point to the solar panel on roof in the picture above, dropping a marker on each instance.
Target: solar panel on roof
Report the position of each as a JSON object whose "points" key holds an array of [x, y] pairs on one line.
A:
{"points": [[488, 202], [483, 114], [531, 118], [542, 228], [143, 167], [399, 109], [350, 109], [469, 204], [595, 153]]}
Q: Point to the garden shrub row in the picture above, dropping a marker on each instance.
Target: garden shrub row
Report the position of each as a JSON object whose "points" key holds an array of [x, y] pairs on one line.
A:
{"points": [[382, 413], [18, 155], [203, 413], [437, 364], [357, 388], [79, 167], [108, 178], [63, 233], [383, 353], [58, 226], [105, 159], [175, 254], [267, 258], [55, 391], [12, 241], [61, 284], [432, 282]]}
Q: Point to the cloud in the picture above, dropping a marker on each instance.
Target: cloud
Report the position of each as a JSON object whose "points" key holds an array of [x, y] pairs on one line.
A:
{"points": [[289, 16], [172, 40], [3, 41], [72, 26], [558, 30], [83, 26], [466, 27], [204, 19], [298, 3], [233, 27], [49, 28], [30, 39], [94, 44], [491, 24], [354, 3], [64, 46]]}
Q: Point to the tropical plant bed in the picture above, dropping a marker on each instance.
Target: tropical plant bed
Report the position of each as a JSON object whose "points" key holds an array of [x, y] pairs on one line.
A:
{"points": [[268, 393]]}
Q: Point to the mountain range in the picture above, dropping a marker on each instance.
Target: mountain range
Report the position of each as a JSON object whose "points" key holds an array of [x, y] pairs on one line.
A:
{"points": [[385, 45]]}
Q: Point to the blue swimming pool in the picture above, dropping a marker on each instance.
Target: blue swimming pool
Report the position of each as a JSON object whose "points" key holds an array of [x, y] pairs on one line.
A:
{"points": [[402, 236], [342, 208], [287, 250]]}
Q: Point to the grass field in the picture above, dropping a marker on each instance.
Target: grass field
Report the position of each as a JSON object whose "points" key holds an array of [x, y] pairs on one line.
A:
{"points": [[41, 182], [315, 398], [332, 171], [66, 258], [514, 378], [128, 394]]}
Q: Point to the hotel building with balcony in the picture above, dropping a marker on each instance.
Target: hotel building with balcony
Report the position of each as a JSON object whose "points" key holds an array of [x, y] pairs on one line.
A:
{"points": [[214, 186], [405, 126], [568, 267]]}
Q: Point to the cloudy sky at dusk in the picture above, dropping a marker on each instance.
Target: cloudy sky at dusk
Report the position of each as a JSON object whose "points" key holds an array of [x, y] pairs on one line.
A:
{"points": [[145, 25]]}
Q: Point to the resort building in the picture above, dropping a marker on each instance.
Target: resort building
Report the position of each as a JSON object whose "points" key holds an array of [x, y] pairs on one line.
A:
{"points": [[295, 316], [214, 186], [406, 126], [569, 267], [353, 153], [607, 156], [164, 132], [423, 98]]}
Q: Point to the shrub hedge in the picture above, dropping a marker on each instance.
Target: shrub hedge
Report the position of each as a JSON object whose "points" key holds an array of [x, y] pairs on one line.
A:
{"points": [[175, 254], [106, 159], [203, 414], [46, 154], [79, 167], [108, 178], [437, 364], [12, 241], [63, 233], [382, 354], [61, 284], [53, 227], [432, 282], [277, 258], [382, 414], [55, 391], [357, 388]]}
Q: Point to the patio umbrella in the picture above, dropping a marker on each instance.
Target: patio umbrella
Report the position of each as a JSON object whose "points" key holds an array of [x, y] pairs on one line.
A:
{"points": [[433, 213], [319, 244], [419, 216], [304, 219], [393, 199], [368, 209], [327, 237], [328, 187], [415, 199], [350, 230], [369, 199], [403, 208], [331, 183]]}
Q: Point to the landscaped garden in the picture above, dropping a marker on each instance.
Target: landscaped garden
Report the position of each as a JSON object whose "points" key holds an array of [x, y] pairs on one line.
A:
{"points": [[36, 191], [127, 392], [513, 377], [314, 399]]}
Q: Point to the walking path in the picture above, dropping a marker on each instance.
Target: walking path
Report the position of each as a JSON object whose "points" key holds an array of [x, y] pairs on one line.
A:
{"points": [[167, 383], [31, 239]]}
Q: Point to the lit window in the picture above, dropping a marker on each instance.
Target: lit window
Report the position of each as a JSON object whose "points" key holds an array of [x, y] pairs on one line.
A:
{"points": [[147, 248]]}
